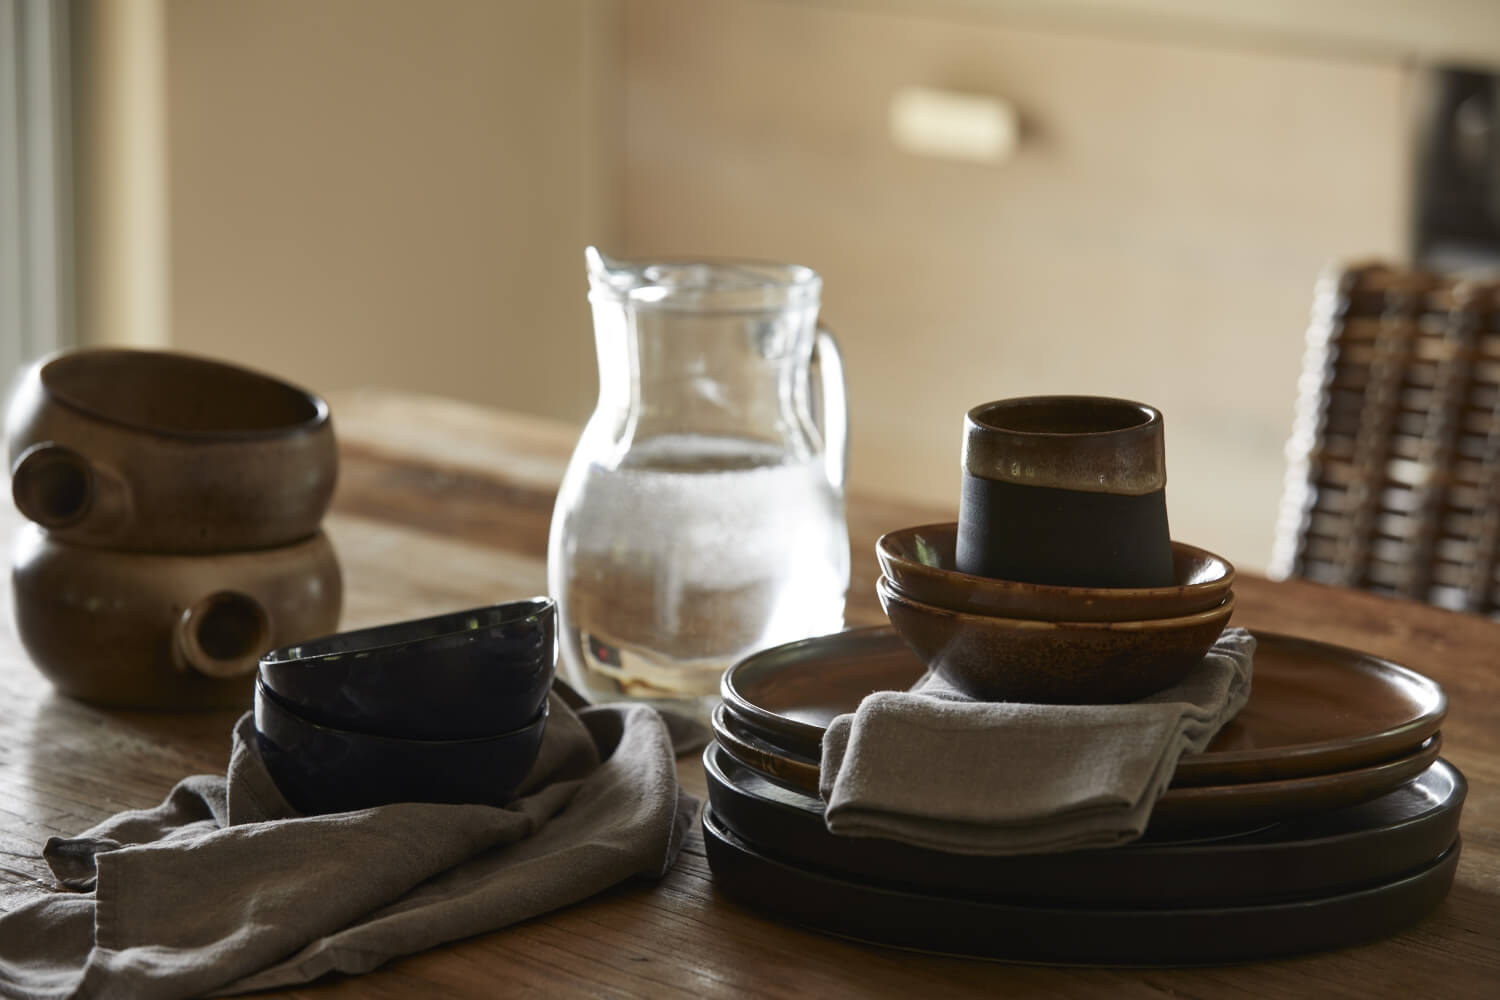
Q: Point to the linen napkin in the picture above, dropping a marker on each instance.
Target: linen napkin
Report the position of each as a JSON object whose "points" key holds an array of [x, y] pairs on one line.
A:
{"points": [[225, 888], [934, 768]]}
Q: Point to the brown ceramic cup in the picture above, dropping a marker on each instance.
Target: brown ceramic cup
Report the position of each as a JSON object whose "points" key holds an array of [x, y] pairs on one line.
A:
{"points": [[164, 452], [167, 631], [1065, 491]]}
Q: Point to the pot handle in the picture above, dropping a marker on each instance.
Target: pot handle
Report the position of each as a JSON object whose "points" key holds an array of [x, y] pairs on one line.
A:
{"points": [[222, 636], [58, 488], [835, 407]]}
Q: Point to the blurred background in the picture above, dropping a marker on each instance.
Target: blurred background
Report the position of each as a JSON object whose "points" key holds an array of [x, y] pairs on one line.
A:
{"points": [[1125, 197]]}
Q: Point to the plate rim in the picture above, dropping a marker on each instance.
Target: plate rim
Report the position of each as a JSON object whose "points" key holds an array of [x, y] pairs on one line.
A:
{"points": [[1410, 734], [1288, 797]]}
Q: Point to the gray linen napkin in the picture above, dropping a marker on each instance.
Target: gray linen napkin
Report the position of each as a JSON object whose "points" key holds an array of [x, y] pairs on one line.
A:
{"points": [[935, 768], [225, 888]]}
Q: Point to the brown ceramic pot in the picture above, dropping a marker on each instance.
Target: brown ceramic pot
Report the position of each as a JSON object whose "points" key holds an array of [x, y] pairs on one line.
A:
{"points": [[1053, 663], [163, 452], [167, 631]]}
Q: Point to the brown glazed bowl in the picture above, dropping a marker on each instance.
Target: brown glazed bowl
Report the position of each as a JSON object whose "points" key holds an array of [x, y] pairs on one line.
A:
{"points": [[1053, 663], [163, 452], [918, 563], [167, 631]]}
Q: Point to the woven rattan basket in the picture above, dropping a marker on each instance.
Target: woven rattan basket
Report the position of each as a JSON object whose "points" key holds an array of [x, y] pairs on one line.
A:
{"points": [[1393, 467]]}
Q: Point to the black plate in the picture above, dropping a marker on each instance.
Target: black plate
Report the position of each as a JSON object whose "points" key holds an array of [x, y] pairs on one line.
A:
{"points": [[1315, 855], [957, 926]]}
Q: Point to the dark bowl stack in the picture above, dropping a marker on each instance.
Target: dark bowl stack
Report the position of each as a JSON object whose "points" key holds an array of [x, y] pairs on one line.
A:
{"points": [[451, 708], [177, 506]]}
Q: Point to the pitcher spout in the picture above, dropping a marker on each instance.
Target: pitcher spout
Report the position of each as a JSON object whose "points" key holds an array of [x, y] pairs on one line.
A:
{"points": [[607, 272]]}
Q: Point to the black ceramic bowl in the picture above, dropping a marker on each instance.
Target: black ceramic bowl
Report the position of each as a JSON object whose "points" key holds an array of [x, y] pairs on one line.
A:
{"points": [[322, 770], [457, 676]]}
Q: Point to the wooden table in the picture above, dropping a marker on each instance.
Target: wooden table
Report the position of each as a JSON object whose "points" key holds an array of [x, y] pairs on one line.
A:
{"points": [[444, 506]]}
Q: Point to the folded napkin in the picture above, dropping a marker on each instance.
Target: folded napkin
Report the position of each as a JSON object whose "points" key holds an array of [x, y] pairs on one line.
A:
{"points": [[225, 888], [934, 768]]}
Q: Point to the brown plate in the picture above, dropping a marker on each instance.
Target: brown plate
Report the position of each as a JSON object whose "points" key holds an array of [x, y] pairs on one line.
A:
{"points": [[1271, 801], [1313, 708], [1196, 807], [763, 756]]}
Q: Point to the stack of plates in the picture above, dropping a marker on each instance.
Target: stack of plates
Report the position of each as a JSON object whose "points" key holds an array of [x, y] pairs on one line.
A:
{"points": [[1321, 817]]}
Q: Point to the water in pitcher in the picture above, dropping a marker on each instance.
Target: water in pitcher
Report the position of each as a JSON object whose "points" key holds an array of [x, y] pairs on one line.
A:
{"points": [[692, 553]]}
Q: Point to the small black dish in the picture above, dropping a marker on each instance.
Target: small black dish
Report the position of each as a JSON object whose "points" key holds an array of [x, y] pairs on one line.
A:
{"points": [[321, 769], [462, 675]]}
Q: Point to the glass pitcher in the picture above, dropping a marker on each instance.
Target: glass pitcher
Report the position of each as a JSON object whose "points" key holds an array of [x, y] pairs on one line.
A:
{"points": [[702, 515]]}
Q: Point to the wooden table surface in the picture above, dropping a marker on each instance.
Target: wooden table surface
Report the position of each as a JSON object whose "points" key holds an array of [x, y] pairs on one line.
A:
{"points": [[442, 505]]}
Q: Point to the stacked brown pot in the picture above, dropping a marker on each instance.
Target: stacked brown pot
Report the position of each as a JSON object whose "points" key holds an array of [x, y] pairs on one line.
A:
{"points": [[177, 504]]}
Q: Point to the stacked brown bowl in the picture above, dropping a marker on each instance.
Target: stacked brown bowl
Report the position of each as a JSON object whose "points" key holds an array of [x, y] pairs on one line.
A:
{"points": [[176, 504], [1004, 640]]}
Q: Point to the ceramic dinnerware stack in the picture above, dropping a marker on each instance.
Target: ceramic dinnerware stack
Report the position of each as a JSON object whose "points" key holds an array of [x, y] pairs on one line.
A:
{"points": [[451, 708], [1060, 582], [1321, 816], [176, 504]]}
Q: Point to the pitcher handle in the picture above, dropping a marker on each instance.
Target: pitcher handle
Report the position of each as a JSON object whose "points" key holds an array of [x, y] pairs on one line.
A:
{"points": [[835, 407]]}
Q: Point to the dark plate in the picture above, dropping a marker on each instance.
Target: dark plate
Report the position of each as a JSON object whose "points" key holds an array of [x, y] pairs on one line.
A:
{"points": [[1327, 852], [1313, 708], [1061, 935]]}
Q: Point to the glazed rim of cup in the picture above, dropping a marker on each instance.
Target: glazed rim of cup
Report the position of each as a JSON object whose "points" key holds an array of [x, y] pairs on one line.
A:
{"points": [[451, 625], [213, 400], [885, 549], [889, 591], [1092, 444]]}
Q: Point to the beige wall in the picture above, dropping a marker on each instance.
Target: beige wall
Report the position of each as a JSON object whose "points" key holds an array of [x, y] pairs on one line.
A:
{"points": [[380, 191], [122, 265], [377, 191], [1156, 236]]}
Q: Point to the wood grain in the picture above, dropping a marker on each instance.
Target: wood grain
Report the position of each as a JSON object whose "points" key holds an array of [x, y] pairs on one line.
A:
{"points": [[423, 523]]}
